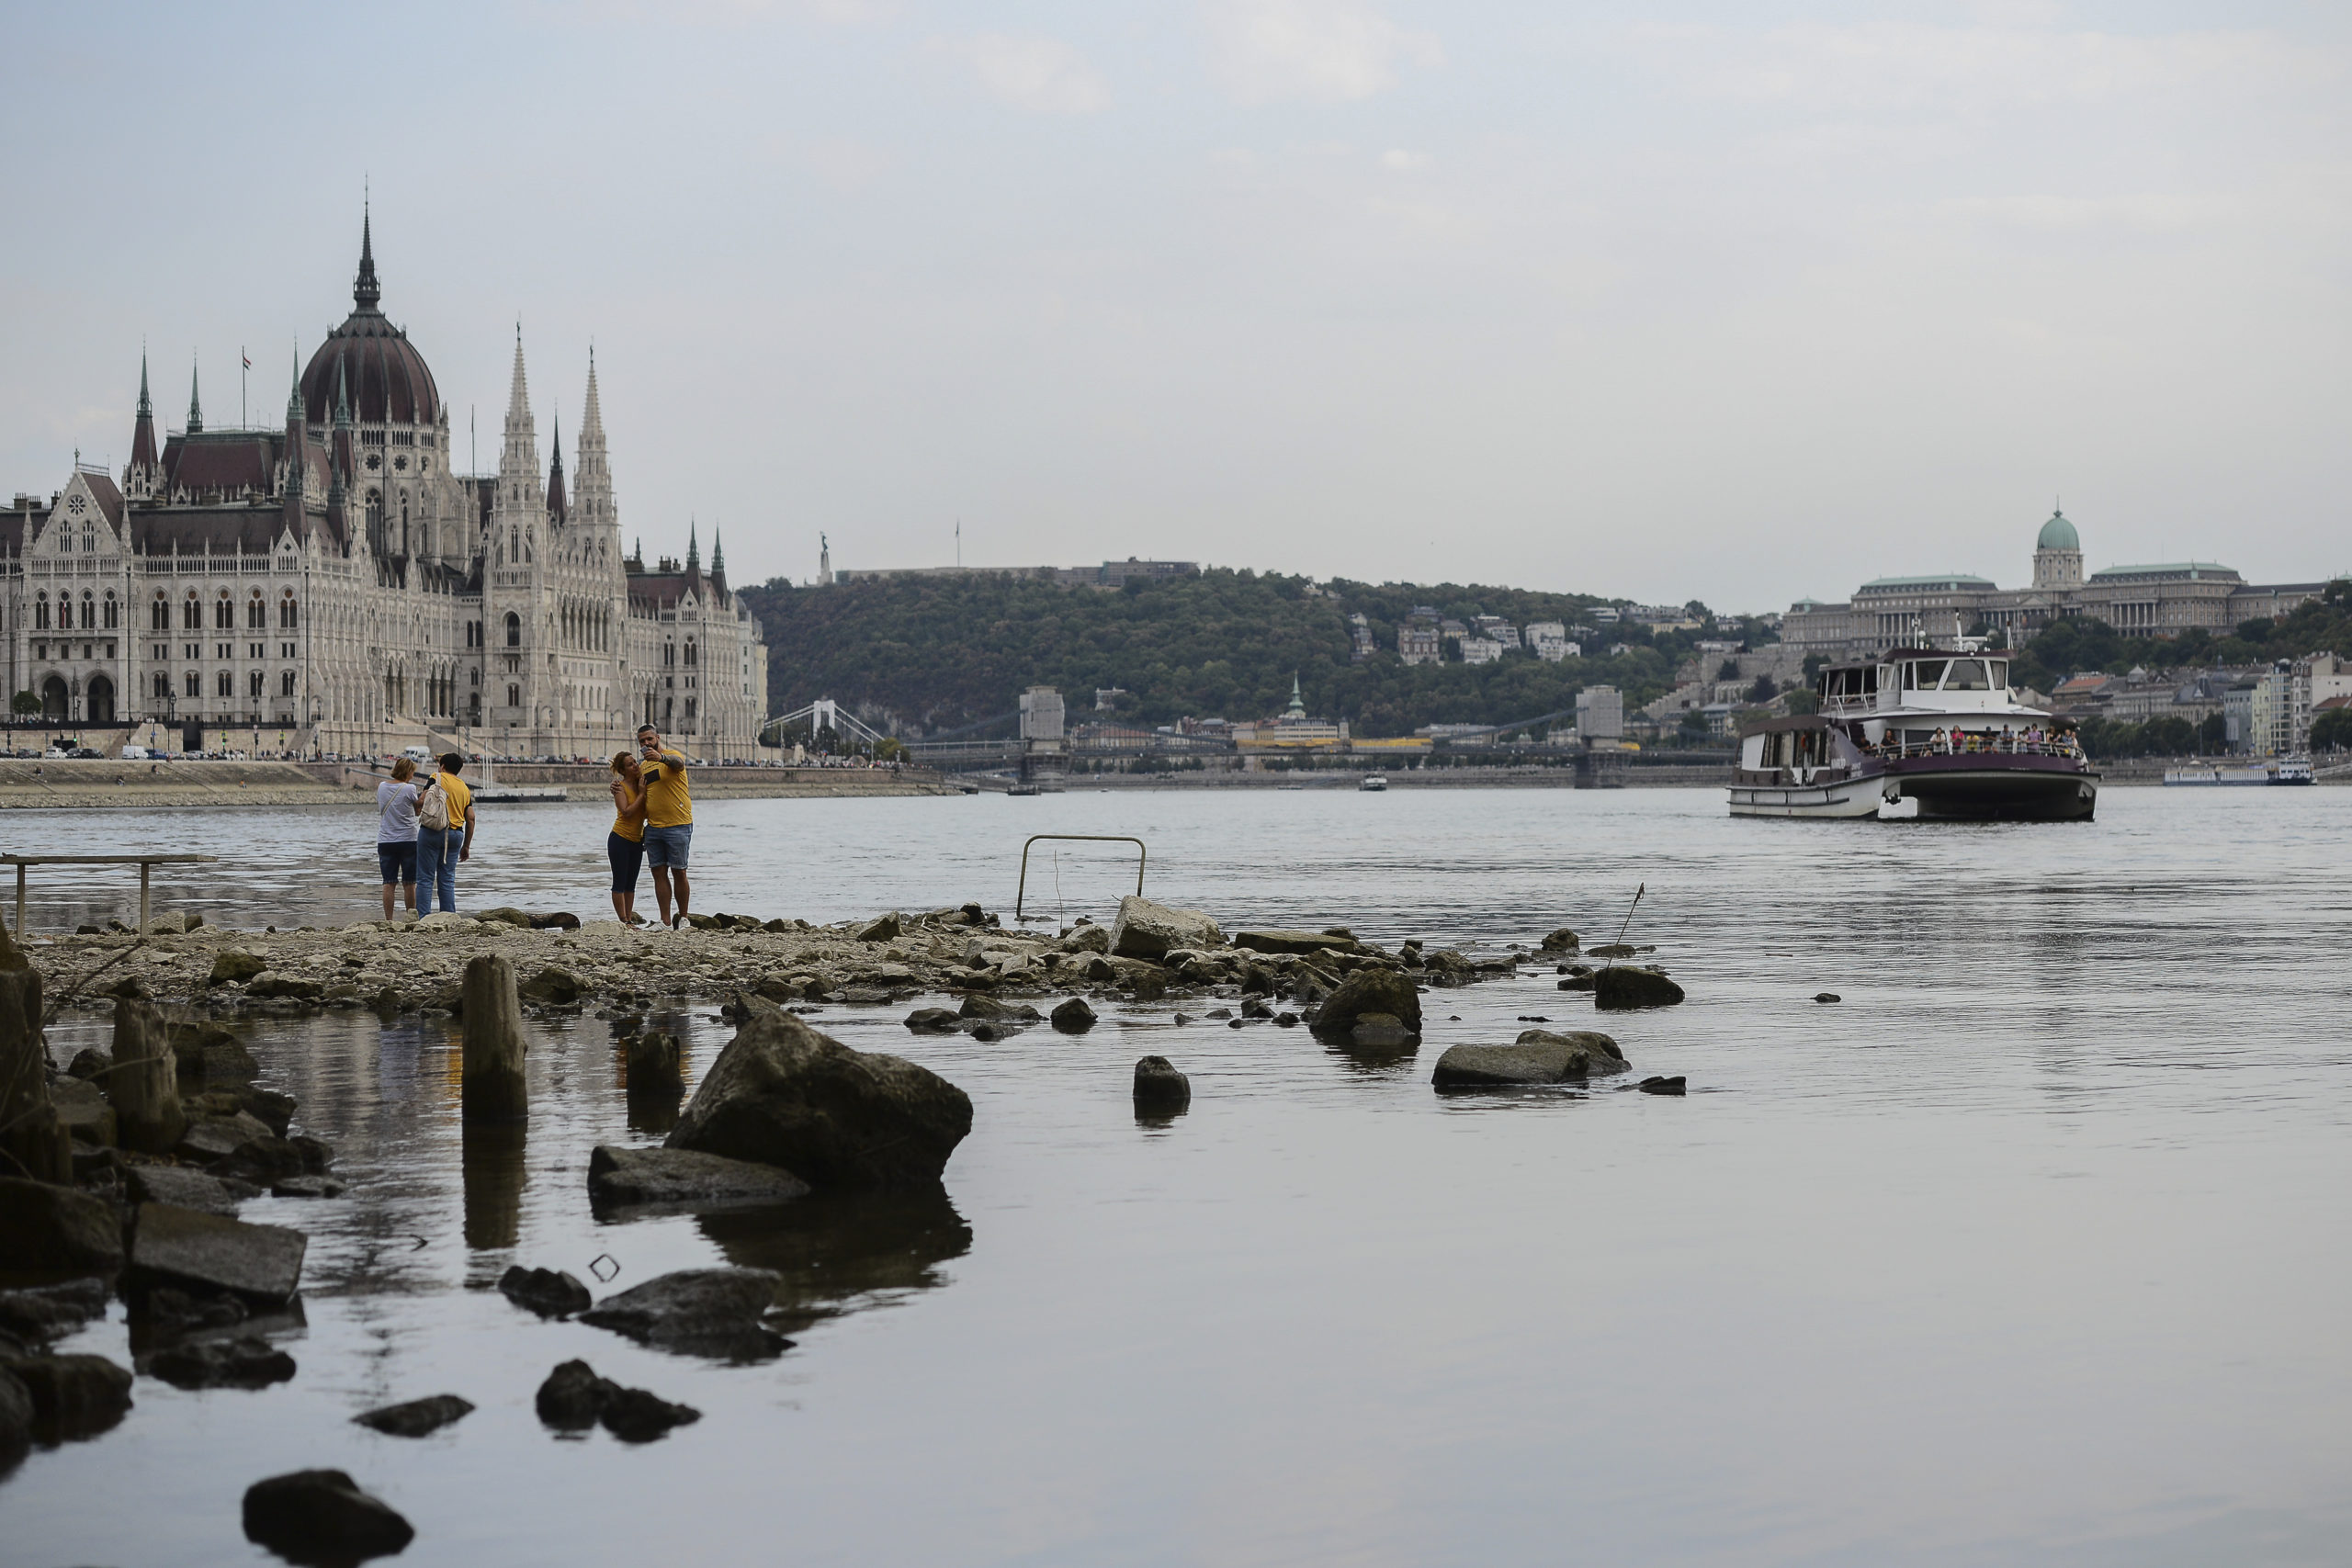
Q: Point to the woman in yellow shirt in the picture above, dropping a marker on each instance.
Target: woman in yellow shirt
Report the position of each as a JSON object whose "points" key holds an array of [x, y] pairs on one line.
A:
{"points": [[625, 845]]}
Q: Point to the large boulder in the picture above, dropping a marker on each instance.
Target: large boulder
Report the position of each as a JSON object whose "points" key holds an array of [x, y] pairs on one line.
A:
{"points": [[1305, 944], [1561, 941], [703, 1311], [184, 1248], [682, 1180], [889, 928], [50, 1312], [186, 1189], [1539, 1056], [1145, 930], [52, 1229], [1371, 990], [246, 1361], [322, 1515], [1087, 938], [1624, 985], [1073, 1016], [292, 987], [73, 1396], [232, 966], [552, 987], [575, 1397], [783, 1094]]}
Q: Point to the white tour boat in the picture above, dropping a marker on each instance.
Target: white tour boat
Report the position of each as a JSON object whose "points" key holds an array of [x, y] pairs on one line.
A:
{"points": [[2282, 771], [1938, 727], [1373, 782]]}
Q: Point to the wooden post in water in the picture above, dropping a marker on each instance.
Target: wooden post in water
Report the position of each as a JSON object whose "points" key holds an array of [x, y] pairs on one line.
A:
{"points": [[32, 1143], [493, 1088], [143, 1085]]}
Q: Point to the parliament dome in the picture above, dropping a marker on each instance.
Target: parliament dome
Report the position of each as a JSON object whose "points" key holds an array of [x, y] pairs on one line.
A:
{"points": [[2056, 534], [384, 378]]}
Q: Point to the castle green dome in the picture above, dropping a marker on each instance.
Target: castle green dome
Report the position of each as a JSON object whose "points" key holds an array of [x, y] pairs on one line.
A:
{"points": [[2058, 534]]}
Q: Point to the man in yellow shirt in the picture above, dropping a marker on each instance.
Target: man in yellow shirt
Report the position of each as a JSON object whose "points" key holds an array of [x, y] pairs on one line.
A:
{"points": [[669, 823], [438, 850]]}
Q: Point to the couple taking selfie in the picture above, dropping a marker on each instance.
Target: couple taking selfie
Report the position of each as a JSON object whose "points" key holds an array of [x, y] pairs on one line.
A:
{"points": [[653, 824]]}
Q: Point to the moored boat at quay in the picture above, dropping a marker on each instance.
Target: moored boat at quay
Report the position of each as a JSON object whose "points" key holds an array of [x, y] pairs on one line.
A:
{"points": [[2279, 771], [1941, 728]]}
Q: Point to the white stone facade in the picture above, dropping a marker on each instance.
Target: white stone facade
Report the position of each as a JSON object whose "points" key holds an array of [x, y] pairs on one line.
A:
{"points": [[333, 586]]}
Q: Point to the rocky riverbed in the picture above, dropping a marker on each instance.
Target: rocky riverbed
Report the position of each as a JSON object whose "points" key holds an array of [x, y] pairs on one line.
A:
{"points": [[565, 966]]}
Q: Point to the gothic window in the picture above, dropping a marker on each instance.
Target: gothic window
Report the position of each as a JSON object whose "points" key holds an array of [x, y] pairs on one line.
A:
{"points": [[162, 687], [192, 615], [286, 683], [690, 653], [513, 629], [286, 612], [227, 684], [89, 540], [514, 543], [114, 614], [513, 695], [224, 615], [159, 614], [40, 612], [253, 685], [195, 686], [375, 508]]}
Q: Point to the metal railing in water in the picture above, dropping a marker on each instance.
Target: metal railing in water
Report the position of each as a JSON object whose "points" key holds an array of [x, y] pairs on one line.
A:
{"points": [[1023, 891]]}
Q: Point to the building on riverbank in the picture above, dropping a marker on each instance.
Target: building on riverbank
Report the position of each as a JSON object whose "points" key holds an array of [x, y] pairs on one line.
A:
{"points": [[2162, 599], [336, 584]]}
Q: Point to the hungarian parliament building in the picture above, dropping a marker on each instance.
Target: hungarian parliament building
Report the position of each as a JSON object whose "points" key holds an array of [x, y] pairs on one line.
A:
{"points": [[2163, 600], [334, 586]]}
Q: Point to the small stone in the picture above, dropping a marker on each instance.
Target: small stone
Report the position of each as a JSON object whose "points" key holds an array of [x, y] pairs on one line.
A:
{"points": [[709, 1311], [934, 1021], [232, 966], [639, 1416], [888, 929], [547, 1291], [1628, 986], [418, 1416], [1286, 1020], [1561, 941], [89, 1064], [248, 1361], [572, 1396], [322, 1515], [52, 1312], [46, 1228], [1159, 1089], [684, 1180], [306, 1187], [1827, 997], [1073, 1016], [1661, 1086]]}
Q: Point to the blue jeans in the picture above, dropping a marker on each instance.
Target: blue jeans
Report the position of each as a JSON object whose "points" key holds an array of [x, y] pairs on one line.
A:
{"points": [[436, 867]]}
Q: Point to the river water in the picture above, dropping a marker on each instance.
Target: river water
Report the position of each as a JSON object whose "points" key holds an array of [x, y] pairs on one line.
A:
{"points": [[2032, 1249]]}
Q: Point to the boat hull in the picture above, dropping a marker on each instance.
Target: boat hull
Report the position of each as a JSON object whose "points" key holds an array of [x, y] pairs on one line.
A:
{"points": [[1852, 800], [1985, 789]]}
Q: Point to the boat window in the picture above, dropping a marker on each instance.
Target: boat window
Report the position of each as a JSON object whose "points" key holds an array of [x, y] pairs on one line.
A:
{"points": [[1967, 675], [1925, 676], [2000, 668]]}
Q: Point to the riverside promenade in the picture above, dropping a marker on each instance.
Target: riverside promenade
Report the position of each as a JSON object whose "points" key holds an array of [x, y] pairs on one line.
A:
{"points": [[109, 784]]}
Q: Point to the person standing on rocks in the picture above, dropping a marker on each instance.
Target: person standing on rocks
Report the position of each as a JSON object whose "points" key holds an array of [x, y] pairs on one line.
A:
{"points": [[396, 833], [625, 845], [446, 826], [669, 823]]}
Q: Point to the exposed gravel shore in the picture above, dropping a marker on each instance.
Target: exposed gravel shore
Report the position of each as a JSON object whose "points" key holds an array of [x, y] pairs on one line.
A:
{"points": [[404, 966]]}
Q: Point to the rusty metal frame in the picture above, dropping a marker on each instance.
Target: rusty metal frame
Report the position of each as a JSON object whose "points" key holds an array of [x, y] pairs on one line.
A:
{"points": [[1022, 893]]}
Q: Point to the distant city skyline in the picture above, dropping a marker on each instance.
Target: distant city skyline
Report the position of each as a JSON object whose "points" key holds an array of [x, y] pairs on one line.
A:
{"points": [[1735, 303]]}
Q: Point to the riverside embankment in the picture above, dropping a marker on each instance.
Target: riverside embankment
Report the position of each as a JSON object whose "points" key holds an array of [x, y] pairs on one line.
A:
{"points": [[113, 784]]}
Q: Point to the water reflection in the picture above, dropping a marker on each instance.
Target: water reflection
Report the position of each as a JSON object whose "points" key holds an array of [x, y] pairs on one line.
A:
{"points": [[836, 1254], [494, 1169]]}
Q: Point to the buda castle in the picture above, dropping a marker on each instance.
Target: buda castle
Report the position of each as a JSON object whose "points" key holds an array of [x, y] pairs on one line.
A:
{"points": [[2138, 601], [337, 585]]}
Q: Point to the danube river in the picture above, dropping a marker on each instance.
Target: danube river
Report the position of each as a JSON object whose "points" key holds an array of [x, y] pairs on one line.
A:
{"points": [[2032, 1249]]}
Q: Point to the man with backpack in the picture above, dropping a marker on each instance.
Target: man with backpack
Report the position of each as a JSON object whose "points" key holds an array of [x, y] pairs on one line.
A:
{"points": [[445, 825]]}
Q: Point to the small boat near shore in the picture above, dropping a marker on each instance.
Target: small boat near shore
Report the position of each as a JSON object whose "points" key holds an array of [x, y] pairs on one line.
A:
{"points": [[1374, 783], [1917, 734], [2275, 770]]}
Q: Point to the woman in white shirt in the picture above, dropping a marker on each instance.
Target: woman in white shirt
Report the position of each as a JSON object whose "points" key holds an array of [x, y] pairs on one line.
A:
{"points": [[396, 832]]}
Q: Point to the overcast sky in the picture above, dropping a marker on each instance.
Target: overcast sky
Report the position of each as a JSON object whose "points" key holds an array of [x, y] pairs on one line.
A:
{"points": [[1735, 301]]}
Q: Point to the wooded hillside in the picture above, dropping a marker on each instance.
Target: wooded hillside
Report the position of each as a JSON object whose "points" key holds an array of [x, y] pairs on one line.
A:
{"points": [[933, 653]]}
